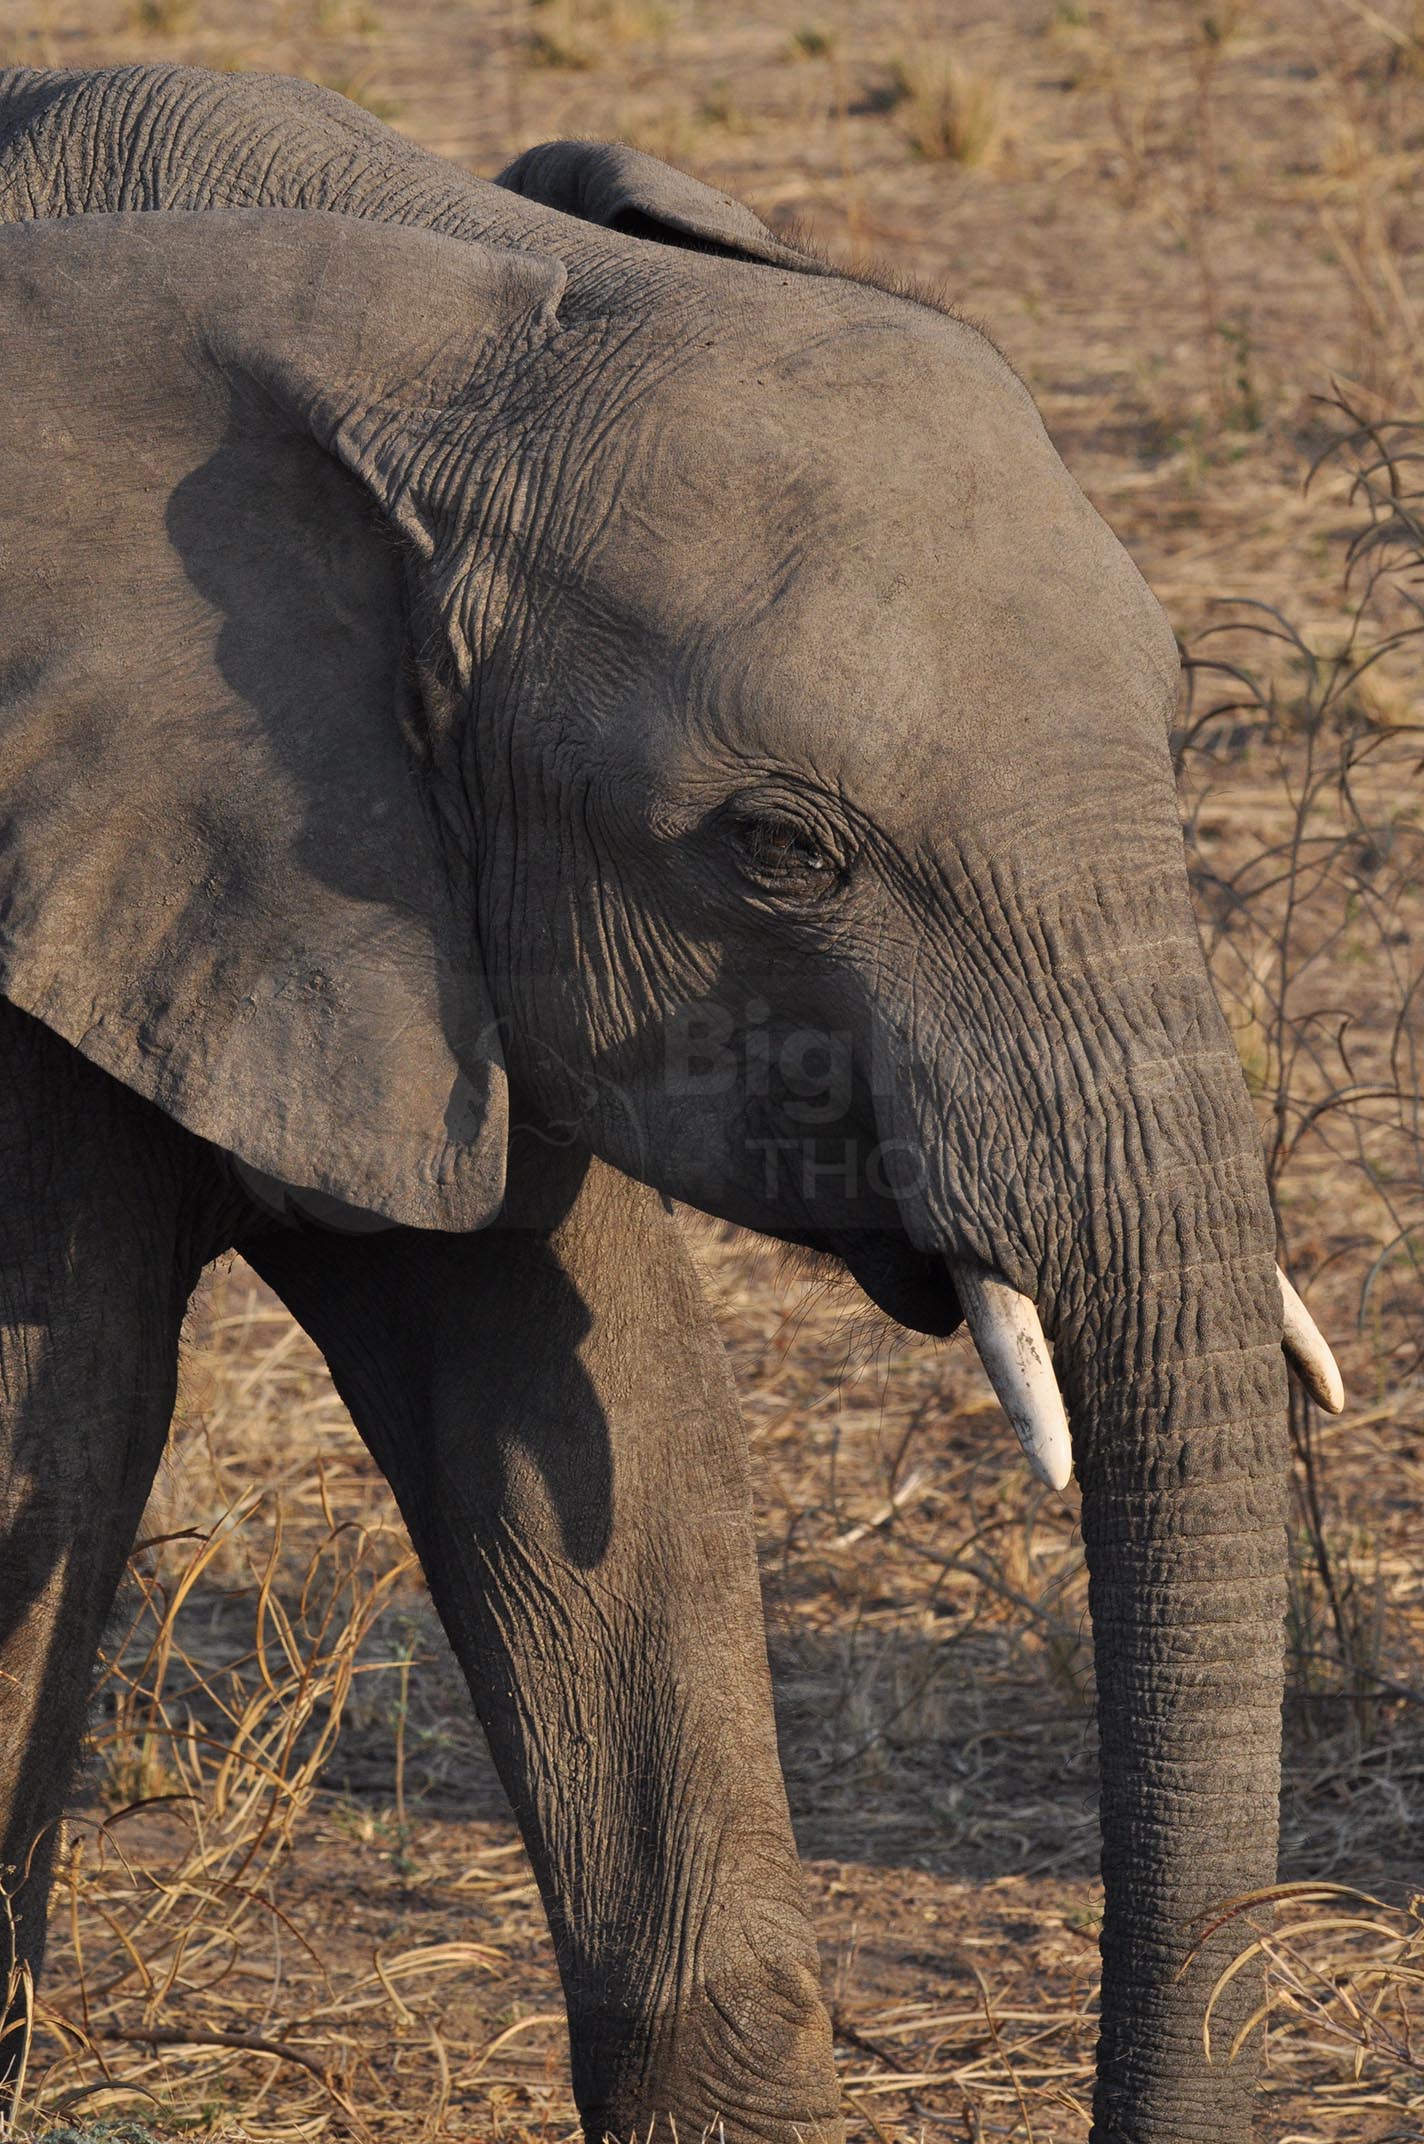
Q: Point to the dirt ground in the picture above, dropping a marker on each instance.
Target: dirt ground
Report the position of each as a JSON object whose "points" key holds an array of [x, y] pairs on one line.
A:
{"points": [[1182, 224]]}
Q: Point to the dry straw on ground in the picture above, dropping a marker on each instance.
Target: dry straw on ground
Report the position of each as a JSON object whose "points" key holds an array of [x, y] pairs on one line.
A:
{"points": [[291, 1901]]}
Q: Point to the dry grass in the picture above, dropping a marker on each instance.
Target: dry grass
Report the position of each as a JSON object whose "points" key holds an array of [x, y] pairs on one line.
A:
{"points": [[574, 34], [289, 1832], [164, 18], [1302, 755], [1345, 1969], [945, 110], [277, 1618]]}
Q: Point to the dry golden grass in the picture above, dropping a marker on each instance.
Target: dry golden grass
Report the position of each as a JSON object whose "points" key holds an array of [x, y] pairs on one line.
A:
{"points": [[575, 34], [289, 1833], [1341, 1963], [947, 113]]}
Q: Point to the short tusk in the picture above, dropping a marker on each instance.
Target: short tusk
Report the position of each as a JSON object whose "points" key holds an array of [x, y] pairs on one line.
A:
{"points": [[1307, 1353], [1014, 1351]]}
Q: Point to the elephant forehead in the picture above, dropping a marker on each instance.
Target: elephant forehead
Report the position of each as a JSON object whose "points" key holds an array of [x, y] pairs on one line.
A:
{"points": [[936, 616], [882, 571], [905, 640]]}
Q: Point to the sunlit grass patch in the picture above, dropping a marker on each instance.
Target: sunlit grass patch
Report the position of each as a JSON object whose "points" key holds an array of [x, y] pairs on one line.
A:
{"points": [[164, 18], [577, 34], [1342, 1968], [947, 111]]}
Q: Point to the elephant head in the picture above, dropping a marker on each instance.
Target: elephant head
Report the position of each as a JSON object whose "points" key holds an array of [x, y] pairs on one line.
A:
{"points": [[643, 677]]}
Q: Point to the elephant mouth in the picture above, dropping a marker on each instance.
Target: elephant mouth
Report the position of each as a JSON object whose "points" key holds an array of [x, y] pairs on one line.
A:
{"points": [[909, 1286], [935, 1296]]}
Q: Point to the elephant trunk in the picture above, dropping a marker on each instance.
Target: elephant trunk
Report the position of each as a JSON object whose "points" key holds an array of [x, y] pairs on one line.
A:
{"points": [[1128, 1202], [1184, 1478], [1167, 1329]]}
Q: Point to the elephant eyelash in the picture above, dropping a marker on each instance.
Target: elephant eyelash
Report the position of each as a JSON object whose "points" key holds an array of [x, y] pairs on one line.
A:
{"points": [[782, 853]]}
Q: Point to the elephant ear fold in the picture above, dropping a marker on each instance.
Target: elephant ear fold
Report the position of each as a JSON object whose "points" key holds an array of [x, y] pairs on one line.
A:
{"points": [[627, 190], [224, 873]]}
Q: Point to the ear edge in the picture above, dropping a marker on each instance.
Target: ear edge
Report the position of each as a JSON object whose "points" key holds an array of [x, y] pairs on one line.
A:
{"points": [[624, 189]]}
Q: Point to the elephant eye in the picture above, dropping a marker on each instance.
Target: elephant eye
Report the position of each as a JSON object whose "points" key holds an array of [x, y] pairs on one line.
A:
{"points": [[783, 853]]}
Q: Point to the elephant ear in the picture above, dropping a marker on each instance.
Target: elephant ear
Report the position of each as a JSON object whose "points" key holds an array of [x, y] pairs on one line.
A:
{"points": [[223, 875], [627, 190]]}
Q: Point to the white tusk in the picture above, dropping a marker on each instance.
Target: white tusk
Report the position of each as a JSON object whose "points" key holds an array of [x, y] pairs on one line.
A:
{"points": [[1014, 1351], [1307, 1353]]}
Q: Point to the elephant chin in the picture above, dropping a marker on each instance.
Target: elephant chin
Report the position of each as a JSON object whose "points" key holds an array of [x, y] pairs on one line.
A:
{"points": [[914, 1289]]}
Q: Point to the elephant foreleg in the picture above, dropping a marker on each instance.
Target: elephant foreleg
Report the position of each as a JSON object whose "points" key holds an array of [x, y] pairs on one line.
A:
{"points": [[92, 1294], [552, 1405]]}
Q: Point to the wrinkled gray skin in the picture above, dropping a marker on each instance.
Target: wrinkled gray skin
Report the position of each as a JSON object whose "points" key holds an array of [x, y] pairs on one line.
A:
{"points": [[427, 666]]}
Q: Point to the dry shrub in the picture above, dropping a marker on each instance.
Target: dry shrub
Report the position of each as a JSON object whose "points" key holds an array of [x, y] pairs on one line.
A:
{"points": [[164, 18], [577, 34], [949, 113], [812, 42], [1316, 881], [1343, 1969], [1311, 887]]}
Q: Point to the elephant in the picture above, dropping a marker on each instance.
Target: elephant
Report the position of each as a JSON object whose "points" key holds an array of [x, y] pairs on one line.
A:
{"points": [[522, 703]]}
